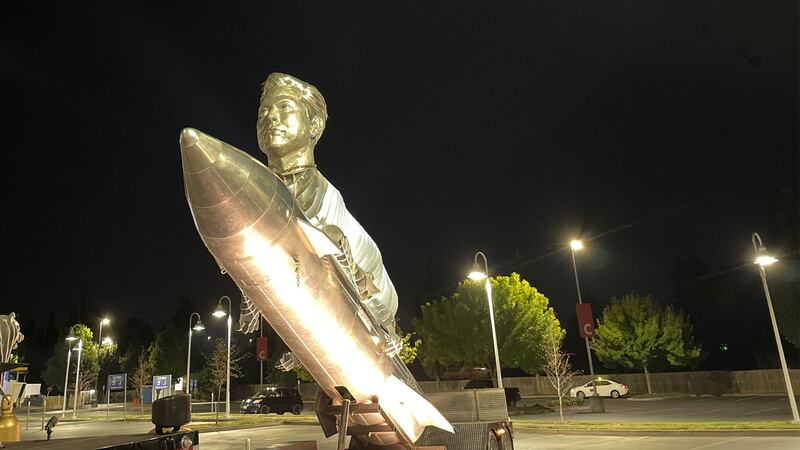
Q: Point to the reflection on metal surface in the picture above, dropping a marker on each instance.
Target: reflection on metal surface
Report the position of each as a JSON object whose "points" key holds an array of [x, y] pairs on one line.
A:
{"points": [[291, 118], [293, 271]]}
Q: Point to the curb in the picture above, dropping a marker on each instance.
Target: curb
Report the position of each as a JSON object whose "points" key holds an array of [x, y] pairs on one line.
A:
{"points": [[706, 433], [251, 425], [652, 399]]}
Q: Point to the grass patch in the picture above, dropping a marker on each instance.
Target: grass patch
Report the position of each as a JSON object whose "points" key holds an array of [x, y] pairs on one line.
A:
{"points": [[567, 401], [662, 426]]}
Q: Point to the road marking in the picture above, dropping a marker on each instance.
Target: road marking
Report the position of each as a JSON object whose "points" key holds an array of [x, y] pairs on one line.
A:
{"points": [[747, 398], [719, 443], [715, 410], [759, 411], [626, 409], [616, 441], [673, 409]]}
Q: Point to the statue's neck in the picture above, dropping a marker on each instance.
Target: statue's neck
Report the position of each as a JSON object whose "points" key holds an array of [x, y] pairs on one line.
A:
{"points": [[295, 161]]}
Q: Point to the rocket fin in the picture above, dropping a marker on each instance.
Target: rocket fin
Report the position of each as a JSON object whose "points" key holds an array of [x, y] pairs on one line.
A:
{"points": [[321, 243], [416, 406]]}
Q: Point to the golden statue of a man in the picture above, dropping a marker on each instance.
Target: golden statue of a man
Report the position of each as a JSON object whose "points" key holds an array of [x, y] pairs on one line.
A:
{"points": [[291, 119]]}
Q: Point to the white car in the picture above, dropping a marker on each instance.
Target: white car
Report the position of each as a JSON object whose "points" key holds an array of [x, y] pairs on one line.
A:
{"points": [[605, 388]]}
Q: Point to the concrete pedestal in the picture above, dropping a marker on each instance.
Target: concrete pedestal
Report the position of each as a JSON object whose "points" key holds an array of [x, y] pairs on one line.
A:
{"points": [[597, 404]]}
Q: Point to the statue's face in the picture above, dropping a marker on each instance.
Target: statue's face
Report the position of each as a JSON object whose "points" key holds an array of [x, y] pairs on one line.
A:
{"points": [[283, 125]]}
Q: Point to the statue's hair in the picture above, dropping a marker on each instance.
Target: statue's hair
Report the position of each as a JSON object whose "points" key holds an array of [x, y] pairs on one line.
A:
{"points": [[313, 99]]}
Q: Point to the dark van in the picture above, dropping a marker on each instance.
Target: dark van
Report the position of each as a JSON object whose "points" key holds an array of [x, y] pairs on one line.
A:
{"points": [[277, 400]]}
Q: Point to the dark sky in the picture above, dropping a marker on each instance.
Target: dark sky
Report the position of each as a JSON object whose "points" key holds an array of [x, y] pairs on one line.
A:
{"points": [[661, 130]]}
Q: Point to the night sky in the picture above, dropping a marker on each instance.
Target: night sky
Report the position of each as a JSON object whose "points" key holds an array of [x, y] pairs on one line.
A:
{"points": [[659, 132]]}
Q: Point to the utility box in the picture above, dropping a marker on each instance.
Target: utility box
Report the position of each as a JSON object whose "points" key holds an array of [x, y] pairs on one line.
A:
{"points": [[171, 412]]}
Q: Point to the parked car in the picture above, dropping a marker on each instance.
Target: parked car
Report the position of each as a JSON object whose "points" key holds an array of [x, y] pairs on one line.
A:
{"points": [[605, 388], [277, 400], [512, 393]]}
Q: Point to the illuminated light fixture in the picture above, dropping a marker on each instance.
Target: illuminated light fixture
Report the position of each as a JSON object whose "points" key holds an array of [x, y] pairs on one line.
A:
{"points": [[576, 244], [105, 321], [199, 326], [219, 312], [71, 338], [765, 260], [477, 273], [107, 341]]}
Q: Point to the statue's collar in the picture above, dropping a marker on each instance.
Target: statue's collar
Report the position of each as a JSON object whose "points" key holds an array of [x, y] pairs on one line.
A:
{"points": [[295, 170]]}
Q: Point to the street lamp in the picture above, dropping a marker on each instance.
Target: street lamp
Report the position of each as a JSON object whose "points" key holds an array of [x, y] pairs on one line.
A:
{"points": [[763, 259], [219, 312], [478, 274], [77, 380], [69, 340], [574, 246], [198, 326], [103, 321]]}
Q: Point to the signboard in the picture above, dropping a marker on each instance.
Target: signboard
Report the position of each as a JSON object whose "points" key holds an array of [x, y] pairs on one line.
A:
{"points": [[585, 320], [162, 382], [117, 381], [261, 348]]}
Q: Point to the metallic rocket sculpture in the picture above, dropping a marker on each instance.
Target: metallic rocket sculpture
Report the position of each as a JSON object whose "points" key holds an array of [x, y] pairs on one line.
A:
{"points": [[294, 275]]}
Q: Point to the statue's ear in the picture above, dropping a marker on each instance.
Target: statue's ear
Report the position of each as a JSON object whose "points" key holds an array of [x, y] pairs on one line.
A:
{"points": [[316, 126]]}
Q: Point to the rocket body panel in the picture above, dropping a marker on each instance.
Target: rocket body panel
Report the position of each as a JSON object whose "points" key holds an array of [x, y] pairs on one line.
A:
{"points": [[256, 232]]}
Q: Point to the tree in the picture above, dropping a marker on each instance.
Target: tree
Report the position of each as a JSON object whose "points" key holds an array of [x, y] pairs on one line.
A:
{"points": [[410, 346], [455, 331], [166, 354], [135, 336], [559, 371], [142, 375], [638, 333], [216, 363], [56, 365]]}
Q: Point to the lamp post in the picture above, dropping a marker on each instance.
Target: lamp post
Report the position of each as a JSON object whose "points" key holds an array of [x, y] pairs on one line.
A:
{"points": [[261, 362], [69, 340], [221, 313], [575, 245], [477, 274], [763, 259], [77, 381], [597, 402], [198, 326], [103, 321]]}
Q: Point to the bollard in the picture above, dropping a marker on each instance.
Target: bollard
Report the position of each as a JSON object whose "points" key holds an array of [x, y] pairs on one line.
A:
{"points": [[246, 443], [28, 417], [44, 410]]}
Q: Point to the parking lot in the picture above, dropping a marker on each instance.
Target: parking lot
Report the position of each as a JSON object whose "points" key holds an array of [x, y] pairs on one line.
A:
{"points": [[717, 409]]}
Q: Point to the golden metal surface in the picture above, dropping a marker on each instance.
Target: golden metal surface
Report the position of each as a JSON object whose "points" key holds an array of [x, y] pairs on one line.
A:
{"points": [[9, 425], [291, 119], [294, 274]]}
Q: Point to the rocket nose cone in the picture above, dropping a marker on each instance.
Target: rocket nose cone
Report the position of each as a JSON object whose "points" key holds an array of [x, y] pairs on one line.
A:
{"points": [[188, 137], [195, 157]]}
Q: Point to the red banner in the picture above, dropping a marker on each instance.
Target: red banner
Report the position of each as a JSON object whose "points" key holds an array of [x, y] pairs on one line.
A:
{"points": [[261, 348], [585, 319]]}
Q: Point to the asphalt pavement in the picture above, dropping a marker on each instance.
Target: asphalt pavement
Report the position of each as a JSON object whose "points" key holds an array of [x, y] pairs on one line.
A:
{"points": [[749, 408], [690, 409], [261, 438]]}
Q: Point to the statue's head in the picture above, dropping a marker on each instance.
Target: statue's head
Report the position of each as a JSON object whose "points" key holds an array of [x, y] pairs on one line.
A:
{"points": [[291, 116]]}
